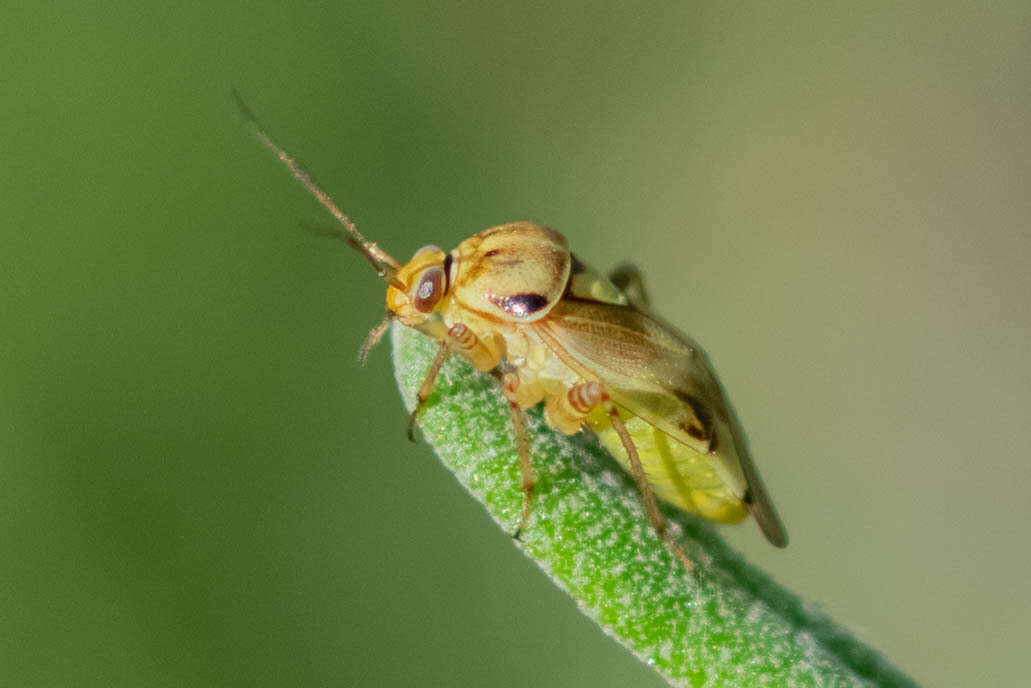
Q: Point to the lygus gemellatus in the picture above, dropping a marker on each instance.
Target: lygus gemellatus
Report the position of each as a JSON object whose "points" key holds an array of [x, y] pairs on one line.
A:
{"points": [[515, 301]]}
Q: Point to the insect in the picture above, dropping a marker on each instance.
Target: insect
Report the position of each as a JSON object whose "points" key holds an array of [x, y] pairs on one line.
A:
{"points": [[515, 301]]}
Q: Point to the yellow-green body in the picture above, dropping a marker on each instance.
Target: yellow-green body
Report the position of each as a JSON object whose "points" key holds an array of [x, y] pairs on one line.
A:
{"points": [[678, 474], [555, 324], [514, 299]]}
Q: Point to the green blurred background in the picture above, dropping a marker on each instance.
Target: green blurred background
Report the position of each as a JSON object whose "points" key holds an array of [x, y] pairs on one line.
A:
{"points": [[200, 486]]}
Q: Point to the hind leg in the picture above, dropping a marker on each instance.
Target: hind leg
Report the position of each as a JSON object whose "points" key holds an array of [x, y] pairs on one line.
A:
{"points": [[630, 281], [644, 489], [568, 412]]}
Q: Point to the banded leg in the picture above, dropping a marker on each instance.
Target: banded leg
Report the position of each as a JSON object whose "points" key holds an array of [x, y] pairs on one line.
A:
{"points": [[466, 341], [567, 412], [509, 384], [651, 507], [475, 349], [630, 281]]}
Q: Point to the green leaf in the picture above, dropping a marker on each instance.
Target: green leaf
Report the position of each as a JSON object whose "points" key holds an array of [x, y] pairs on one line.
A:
{"points": [[725, 624]]}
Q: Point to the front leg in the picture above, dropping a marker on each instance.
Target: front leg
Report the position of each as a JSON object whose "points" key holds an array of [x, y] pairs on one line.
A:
{"points": [[484, 355], [465, 340], [426, 388]]}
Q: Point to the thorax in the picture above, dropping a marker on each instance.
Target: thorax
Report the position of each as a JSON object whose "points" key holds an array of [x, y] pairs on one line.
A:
{"points": [[541, 373]]}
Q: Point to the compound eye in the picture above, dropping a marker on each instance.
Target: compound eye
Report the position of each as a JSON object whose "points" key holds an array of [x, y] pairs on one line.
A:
{"points": [[429, 291]]}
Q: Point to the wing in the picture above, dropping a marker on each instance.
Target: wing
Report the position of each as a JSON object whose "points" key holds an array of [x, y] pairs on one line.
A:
{"points": [[662, 376]]}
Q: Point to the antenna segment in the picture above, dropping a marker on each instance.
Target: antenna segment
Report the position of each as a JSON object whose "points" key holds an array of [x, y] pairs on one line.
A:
{"points": [[385, 266]]}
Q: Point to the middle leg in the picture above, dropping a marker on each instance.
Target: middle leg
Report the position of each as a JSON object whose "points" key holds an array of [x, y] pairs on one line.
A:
{"points": [[509, 385]]}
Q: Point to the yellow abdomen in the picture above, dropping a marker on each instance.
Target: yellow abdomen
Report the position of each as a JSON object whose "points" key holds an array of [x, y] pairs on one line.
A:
{"points": [[677, 473]]}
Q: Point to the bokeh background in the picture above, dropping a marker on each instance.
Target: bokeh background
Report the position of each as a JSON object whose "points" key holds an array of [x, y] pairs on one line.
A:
{"points": [[200, 486]]}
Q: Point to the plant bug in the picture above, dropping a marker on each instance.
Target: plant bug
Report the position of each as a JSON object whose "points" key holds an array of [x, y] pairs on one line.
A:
{"points": [[517, 302]]}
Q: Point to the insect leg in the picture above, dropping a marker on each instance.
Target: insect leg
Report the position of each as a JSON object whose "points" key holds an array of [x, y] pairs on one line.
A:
{"points": [[473, 347], [629, 280], [525, 467], [567, 412], [509, 384], [466, 341], [426, 388], [651, 508]]}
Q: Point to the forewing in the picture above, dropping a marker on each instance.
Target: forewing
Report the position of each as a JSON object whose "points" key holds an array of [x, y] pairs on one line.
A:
{"points": [[652, 371], [662, 376]]}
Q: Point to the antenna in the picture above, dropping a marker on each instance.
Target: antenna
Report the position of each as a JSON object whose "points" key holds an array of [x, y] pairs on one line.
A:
{"points": [[385, 266]]}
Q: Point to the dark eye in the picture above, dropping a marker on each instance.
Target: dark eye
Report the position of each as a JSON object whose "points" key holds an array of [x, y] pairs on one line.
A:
{"points": [[429, 290]]}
